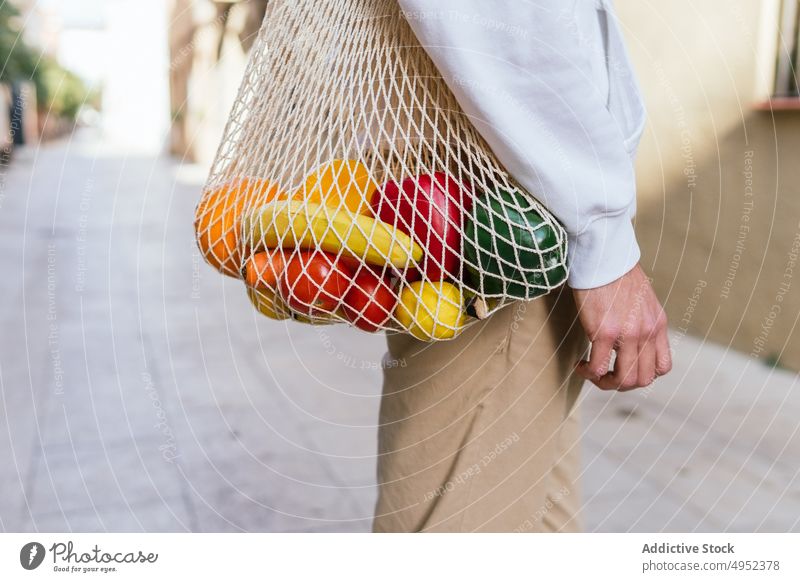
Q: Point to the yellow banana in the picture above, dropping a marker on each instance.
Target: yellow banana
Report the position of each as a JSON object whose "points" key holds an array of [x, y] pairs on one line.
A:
{"points": [[294, 223]]}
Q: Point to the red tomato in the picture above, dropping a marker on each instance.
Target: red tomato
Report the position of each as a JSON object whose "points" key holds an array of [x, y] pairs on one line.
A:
{"points": [[314, 282], [430, 208], [370, 301]]}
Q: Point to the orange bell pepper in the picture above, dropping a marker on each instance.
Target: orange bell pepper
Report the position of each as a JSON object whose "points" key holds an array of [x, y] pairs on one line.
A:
{"points": [[339, 183]]}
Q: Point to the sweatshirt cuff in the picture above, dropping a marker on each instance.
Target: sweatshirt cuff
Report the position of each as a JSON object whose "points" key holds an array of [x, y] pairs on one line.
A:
{"points": [[605, 251]]}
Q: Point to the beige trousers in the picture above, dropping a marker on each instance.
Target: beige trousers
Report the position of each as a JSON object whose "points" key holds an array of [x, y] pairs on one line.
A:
{"points": [[480, 433]]}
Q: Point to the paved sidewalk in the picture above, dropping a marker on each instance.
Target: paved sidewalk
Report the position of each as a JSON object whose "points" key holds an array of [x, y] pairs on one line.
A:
{"points": [[140, 391], [714, 446]]}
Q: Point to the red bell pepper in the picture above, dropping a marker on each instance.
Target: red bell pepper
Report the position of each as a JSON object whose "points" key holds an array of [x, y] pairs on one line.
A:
{"points": [[430, 209]]}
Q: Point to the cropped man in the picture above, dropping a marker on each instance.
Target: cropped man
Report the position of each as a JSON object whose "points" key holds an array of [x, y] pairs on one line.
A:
{"points": [[479, 433]]}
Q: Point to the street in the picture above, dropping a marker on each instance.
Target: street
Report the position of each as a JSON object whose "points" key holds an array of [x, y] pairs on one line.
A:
{"points": [[140, 391]]}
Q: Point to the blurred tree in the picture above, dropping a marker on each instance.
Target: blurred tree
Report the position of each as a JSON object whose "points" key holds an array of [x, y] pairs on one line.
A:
{"points": [[58, 91], [61, 92], [20, 58]]}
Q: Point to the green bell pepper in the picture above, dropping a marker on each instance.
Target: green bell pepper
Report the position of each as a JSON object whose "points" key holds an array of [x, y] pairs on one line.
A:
{"points": [[501, 239]]}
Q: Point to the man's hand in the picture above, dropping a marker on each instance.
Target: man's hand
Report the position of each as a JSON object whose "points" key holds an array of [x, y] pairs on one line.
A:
{"points": [[624, 316]]}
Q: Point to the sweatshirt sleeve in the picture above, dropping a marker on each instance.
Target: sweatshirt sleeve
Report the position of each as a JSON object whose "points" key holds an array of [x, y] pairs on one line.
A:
{"points": [[526, 73]]}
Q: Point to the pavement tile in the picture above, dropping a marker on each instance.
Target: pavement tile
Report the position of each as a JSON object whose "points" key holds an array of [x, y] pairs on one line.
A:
{"points": [[602, 475], [642, 509], [167, 515], [13, 503], [277, 505], [82, 479]]}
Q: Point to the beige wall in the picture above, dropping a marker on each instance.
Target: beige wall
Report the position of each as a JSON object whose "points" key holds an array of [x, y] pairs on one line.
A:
{"points": [[719, 182], [206, 70]]}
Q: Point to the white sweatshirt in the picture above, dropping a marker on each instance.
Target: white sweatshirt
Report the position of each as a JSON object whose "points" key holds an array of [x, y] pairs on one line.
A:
{"points": [[549, 85]]}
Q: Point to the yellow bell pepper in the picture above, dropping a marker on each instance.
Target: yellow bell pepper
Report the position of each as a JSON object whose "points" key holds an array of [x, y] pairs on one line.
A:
{"points": [[431, 311], [268, 303]]}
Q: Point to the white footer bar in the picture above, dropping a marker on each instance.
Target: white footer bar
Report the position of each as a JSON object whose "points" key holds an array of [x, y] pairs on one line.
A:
{"points": [[406, 558]]}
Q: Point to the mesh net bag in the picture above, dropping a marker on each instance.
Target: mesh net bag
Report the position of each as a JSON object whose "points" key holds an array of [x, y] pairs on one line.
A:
{"points": [[350, 187]]}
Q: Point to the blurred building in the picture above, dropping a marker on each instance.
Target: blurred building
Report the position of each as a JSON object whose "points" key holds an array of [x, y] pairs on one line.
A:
{"points": [[135, 68], [117, 48], [719, 178], [120, 48], [41, 24], [209, 41]]}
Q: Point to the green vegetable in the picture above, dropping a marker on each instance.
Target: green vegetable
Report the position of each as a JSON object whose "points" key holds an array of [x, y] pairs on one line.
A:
{"points": [[501, 239]]}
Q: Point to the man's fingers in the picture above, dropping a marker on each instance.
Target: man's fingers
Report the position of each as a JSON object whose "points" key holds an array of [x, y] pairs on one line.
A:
{"points": [[625, 317], [583, 369], [600, 359], [639, 361], [646, 363], [626, 369], [663, 353]]}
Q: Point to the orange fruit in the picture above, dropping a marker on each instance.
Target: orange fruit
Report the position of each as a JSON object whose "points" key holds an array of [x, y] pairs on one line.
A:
{"points": [[218, 220]]}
